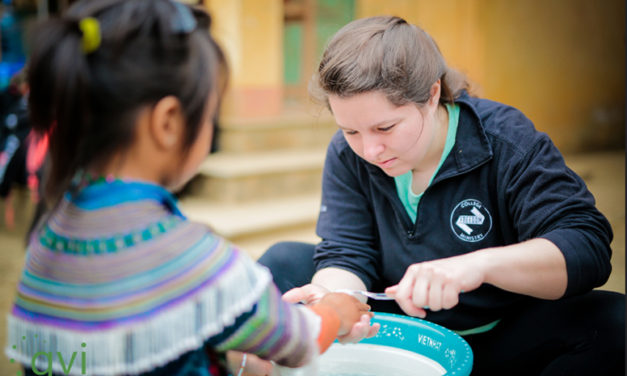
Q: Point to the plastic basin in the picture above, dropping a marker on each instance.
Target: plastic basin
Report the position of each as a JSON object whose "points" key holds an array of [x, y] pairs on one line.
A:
{"points": [[404, 346]]}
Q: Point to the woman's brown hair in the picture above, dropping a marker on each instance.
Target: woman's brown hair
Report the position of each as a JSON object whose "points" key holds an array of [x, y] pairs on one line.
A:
{"points": [[384, 54]]}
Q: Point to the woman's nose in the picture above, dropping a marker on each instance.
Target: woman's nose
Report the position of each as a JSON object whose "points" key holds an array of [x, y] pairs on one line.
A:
{"points": [[372, 148]]}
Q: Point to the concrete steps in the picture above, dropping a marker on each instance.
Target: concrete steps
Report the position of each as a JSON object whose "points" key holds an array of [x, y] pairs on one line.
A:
{"points": [[296, 129], [264, 184], [237, 219], [254, 226], [252, 176]]}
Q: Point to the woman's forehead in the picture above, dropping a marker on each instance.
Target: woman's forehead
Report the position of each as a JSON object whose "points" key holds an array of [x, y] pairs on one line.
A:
{"points": [[366, 110]]}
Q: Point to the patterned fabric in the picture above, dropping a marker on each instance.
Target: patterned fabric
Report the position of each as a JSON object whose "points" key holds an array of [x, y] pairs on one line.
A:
{"points": [[119, 276]]}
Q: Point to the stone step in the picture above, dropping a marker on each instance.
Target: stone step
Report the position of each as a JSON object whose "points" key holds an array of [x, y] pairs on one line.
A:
{"points": [[256, 244], [237, 177], [240, 220], [293, 129]]}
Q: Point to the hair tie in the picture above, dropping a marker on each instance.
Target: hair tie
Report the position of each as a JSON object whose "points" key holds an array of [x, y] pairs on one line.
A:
{"points": [[91, 34], [184, 21]]}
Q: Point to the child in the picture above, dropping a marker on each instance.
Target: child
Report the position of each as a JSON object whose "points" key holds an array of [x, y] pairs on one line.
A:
{"points": [[127, 91]]}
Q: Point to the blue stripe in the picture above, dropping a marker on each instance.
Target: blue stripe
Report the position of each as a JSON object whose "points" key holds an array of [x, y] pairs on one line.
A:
{"points": [[103, 195]]}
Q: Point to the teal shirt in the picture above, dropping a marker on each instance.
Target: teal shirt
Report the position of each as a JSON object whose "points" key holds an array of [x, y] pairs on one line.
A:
{"points": [[410, 200], [403, 182]]}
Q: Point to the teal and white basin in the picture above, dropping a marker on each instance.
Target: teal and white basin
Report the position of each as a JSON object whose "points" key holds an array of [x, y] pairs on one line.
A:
{"points": [[404, 346]]}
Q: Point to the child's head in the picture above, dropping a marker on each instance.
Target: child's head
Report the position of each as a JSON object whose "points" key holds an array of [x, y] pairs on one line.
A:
{"points": [[384, 54], [95, 71]]}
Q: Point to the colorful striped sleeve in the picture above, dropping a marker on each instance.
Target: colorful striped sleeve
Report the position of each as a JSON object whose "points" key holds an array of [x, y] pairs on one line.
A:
{"points": [[273, 330]]}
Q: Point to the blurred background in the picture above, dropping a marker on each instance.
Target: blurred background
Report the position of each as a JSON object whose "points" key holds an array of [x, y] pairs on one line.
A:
{"points": [[562, 62]]}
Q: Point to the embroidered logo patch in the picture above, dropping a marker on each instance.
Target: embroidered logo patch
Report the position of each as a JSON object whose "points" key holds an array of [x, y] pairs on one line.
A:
{"points": [[471, 221]]}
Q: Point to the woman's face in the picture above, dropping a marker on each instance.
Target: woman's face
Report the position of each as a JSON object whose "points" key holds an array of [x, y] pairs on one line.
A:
{"points": [[394, 138]]}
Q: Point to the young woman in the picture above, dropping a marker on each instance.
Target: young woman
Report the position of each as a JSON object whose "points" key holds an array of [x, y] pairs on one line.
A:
{"points": [[458, 208]]}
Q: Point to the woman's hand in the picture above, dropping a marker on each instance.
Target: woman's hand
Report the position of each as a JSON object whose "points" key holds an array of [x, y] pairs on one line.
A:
{"points": [[312, 294], [254, 366], [535, 267], [436, 285], [307, 294]]}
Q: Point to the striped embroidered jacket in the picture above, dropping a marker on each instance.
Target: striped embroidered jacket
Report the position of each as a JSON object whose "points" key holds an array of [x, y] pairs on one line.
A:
{"points": [[119, 276]]}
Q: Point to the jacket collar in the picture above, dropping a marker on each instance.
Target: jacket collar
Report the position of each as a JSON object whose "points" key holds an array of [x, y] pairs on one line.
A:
{"points": [[471, 150]]}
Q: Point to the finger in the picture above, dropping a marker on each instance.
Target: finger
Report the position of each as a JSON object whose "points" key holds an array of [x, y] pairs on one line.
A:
{"points": [[450, 295], [434, 300], [406, 284], [295, 295], [307, 294], [420, 293], [405, 290], [412, 310], [392, 290], [358, 332], [374, 329]]}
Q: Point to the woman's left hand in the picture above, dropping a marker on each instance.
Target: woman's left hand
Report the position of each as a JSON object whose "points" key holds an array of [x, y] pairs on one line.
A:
{"points": [[312, 293], [436, 284]]}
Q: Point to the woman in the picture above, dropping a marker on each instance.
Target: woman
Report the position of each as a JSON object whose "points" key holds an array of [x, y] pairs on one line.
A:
{"points": [[458, 208]]}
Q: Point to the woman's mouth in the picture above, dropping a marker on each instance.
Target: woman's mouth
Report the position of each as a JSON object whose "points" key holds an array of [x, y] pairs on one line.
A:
{"points": [[387, 163]]}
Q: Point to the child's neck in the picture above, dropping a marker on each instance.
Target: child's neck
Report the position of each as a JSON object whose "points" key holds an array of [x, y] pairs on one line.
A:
{"points": [[124, 167]]}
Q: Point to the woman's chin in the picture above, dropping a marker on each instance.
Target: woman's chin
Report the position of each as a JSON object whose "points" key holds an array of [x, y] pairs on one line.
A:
{"points": [[394, 171]]}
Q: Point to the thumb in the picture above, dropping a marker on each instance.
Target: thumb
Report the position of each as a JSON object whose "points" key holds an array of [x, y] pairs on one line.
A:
{"points": [[392, 290], [295, 295]]}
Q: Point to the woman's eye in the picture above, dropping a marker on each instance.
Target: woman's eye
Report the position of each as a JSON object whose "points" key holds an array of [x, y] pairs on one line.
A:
{"points": [[385, 129], [350, 132]]}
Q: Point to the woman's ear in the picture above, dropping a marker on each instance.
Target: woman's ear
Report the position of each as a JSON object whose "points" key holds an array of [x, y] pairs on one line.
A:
{"points": [[435, 92], [167, 123]]}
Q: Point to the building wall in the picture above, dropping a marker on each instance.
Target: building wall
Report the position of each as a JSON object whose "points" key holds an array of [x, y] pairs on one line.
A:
{"points": [[559, 61], [251, 32], [562, 62]]}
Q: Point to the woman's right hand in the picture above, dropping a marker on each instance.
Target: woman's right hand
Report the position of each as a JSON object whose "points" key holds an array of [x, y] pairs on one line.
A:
{"points": [[307, 294]]}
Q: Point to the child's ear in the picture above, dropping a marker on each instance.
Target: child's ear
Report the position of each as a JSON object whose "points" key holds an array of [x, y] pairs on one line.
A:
{"points": [[167, 123]]}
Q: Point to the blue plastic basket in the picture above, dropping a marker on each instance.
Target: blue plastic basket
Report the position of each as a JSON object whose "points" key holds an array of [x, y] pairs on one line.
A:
{"points": [[433, 341]]}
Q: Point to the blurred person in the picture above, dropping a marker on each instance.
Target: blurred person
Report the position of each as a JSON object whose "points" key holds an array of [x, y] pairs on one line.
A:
{"points": [[22, 151], [458, 208], [127, 92]]}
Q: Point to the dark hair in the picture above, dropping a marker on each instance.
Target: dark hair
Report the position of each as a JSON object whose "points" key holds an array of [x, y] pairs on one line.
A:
{"points": [[384, 54], [88, 101]]}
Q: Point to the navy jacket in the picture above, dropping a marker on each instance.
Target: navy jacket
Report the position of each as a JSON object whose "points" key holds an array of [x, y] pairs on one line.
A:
{"points": [[503, 183]]}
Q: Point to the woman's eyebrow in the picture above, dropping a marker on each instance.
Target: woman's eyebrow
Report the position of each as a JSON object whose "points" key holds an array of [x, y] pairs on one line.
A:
{"points": [[384, 122]]}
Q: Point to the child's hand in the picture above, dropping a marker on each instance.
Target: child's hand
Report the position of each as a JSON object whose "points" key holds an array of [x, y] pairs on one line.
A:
{"points": [[363, 329], [349, 309], [254, 366]]}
